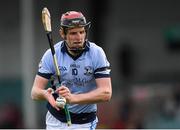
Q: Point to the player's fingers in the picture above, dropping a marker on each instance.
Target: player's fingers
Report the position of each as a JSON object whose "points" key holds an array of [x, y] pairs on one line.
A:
{"points": [[53, 103], [50, 90], [57, 108], [64, 94], [62, 90]]}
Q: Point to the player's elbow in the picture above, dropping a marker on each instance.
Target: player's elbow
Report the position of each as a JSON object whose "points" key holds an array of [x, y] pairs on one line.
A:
{"points": [[33, 95]]}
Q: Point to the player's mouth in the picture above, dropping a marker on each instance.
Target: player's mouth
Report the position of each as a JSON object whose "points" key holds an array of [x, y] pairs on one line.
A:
{"points": [[77, 44]]}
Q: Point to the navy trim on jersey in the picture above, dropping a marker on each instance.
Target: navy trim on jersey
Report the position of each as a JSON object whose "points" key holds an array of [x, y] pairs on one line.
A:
{"points": [[101, 76], [45, 75], [102, 69], [63, 47], [80, 118]]}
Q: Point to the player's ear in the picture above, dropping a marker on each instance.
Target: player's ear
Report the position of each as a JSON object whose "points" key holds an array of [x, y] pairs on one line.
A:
{"points": [[61, 32]]}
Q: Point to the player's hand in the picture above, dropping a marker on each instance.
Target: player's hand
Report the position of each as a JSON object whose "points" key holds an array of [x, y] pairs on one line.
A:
{"points": [[50, 98], [65, 92]]}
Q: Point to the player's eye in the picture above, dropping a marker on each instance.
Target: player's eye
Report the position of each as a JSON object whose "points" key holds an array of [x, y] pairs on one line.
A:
{"points": [[82, 32], [73, 33]]}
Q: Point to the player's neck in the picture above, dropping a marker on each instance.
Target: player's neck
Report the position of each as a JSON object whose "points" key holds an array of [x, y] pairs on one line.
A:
{"points": [[75, 52]]}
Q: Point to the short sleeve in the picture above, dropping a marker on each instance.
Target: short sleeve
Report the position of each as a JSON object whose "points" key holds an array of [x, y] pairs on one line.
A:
{"points": [[101, 64], [46, 68]]}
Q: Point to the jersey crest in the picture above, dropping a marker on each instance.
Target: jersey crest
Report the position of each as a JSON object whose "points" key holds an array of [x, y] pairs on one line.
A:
{"points": [[88, 70]]}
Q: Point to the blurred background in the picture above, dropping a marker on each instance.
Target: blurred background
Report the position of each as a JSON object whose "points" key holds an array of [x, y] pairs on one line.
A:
{"points": [[141, 40]]}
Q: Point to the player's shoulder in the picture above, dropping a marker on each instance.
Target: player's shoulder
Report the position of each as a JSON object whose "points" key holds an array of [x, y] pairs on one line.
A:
{"points": [[93, 47], [58, 45]]}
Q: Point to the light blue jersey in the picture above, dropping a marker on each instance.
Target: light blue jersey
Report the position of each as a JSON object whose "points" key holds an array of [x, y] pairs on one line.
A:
{"points": [[77, 73]]}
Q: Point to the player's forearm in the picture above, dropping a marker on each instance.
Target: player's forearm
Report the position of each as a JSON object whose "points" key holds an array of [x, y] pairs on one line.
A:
{"points": [[38, 94], [38, 91], [98, 95]]}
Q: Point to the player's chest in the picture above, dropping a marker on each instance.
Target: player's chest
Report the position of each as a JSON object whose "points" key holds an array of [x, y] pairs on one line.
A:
{"points": [[82, 67]]}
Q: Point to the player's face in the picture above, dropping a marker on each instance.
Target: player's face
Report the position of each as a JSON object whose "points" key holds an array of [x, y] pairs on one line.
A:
{"points": [[75, 37]]}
